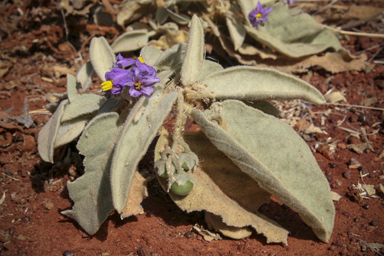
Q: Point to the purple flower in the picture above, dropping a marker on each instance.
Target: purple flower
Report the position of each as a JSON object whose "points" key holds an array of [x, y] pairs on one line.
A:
{"points": [[116, 80], [288, 1], [142, 80], [259, 15]]}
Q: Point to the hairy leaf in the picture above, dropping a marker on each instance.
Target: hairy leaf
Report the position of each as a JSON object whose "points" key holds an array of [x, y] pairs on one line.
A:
{"points": [[182, 19], [150, 54], [208, 68], [47, 135], [293, 35], [134, 141], [171, 58], [71, 88], [102, 56], [254, 83], [223, 189], [84, 76], [285, 167], [130, 41], [70, 130], [195, 53], [237, 32], [92, 191], [86, 104]]}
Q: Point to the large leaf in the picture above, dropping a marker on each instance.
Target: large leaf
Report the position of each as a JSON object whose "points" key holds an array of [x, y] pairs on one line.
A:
{"points": [[273, 154], [84, 76], [195, 53], [293, 35], [139, 129], [85, 104], [150, 54], [208, 68], [254, 83], [130, 41], [92, 191], [70, 130], [222, 189], [171, 58], [47, 135], [237, 32], [102, 56]]}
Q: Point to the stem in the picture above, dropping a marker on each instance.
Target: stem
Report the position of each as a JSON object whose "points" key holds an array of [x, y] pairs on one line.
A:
{"points": [[372, 35], [180, 121]]}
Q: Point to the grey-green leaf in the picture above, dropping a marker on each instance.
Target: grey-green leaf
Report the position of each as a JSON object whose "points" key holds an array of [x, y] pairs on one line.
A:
{"points": [[179, 18], [92, 191], [264, 106], [195, 53], [273, 154], [84, 76], [237, 32], [208, 68], [171, 58], [71, 87], [161, 15], [48, 133], [150, 54], [70, 130], [86, 104], [141, 126], [254, 83], [295, 36], [130, 41], [102, 56]]}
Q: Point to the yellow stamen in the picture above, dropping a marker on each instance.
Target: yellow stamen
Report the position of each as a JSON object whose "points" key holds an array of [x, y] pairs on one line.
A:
{"points": [[137, 86], [258, 16], [141, 59], [107, 85]]}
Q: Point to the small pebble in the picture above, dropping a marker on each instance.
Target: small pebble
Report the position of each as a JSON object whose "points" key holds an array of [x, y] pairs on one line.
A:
{"points": [[374, 223], [142, 252], [189, 234], [332, 165], [356, 219], [345, 214], [379, 84], [347, 174], [10, 231], [366, 206], [68, 253], [338, 243]]}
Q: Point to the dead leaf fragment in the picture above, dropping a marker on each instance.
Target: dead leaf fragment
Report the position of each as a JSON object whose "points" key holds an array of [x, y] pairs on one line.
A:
{"points": [[360, 147], [215, 222], [370, 101], [23, 238], [335, 196], [137, 194], [312, 129], [381, 187], [3, 197], [335, 97], [207, 235], [369, 189], [48, 204]]}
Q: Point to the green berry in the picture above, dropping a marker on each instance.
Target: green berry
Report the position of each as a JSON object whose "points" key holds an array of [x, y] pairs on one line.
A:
{"points": [[183, 189]]}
